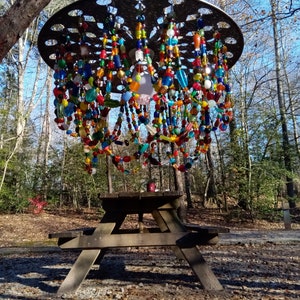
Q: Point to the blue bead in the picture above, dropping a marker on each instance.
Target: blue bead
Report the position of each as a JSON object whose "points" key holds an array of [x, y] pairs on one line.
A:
{"points": [[139, 44], [108, 87], [200, 23], [182, 78], [117, 61], [95, 160], [167, 80]]}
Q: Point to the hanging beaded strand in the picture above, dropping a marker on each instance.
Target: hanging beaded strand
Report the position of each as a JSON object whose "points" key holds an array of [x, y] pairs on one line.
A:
{"points": [[129, 103], [182, 113]]}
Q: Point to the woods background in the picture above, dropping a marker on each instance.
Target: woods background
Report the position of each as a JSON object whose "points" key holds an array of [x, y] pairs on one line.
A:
{"points": [[252, 166]]}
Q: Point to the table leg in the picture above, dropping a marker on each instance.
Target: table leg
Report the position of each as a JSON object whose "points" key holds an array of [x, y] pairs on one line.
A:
{"points": [[164, 228], [117, 218], [87, 258], [141, 222], [192, 255]]}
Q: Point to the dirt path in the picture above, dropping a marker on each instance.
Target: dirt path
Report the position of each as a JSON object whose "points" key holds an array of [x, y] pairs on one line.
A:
{"points": [[260, 237], [251, 264], [246, 271]]}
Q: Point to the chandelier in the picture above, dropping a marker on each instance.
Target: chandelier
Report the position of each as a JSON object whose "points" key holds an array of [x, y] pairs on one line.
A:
{"points": [[139, 74]]}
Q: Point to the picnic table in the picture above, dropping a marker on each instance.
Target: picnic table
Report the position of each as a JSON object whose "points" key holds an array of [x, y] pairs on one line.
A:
{"points": [[182, 238]]}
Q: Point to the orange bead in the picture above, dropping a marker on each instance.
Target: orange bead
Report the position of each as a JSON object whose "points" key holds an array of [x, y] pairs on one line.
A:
{"points": [[110, 76], [196, 39], [134, 86]]}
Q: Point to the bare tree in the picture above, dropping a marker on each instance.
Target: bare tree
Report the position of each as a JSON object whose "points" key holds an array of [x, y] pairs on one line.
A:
{"points": [[22, 111], [281, 103]]}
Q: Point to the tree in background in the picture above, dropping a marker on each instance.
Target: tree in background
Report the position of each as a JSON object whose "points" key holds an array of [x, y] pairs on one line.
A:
{"points": [[245, 167], [258, 159]]}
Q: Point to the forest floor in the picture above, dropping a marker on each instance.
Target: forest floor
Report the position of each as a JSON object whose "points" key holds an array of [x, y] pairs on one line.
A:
{"points": [[256, 260]]}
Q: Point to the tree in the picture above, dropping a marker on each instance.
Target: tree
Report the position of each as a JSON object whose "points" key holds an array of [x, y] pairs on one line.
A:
{"points": [[21, 61], [13, 26], [281, 103], [259, 115]]}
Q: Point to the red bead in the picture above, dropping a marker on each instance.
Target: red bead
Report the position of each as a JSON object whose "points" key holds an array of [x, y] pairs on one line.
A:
{"points": [[126, 158], [103, 54]]}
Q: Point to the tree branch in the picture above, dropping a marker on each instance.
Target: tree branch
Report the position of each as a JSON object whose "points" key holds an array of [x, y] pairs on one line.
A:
{"points": [[279, 16], [15, 21]]}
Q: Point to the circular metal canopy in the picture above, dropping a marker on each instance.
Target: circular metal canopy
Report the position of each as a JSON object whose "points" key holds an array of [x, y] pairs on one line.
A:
{"points": [[94, 13]]}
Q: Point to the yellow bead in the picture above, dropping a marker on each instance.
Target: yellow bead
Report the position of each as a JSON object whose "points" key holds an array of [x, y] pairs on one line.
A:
{"points": [[83, 106], [91, 81], [197, 77], [138, 77], [100, 72], [64, 102], [204, 104], [121, 74]]}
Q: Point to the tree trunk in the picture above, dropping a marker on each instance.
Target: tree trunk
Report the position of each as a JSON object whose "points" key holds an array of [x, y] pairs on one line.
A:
{"points": [[178, 184], [108, 175], [182, 208], [46, 135], [62, 173], [20, 113], [162, 184], [16, 20], [187, 182], [285, 137], [222, 167], [211, 189], [292, 96]]}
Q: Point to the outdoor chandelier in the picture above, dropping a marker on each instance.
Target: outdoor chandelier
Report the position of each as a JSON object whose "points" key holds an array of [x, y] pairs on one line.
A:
{"points": [[137, 74]]}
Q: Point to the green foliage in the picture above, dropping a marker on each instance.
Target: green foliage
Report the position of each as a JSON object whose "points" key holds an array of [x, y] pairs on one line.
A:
{"points": [[12, 203], [265, 209], [17, 184]]}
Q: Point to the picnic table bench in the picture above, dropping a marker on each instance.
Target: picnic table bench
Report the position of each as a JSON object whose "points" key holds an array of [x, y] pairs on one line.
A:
{"points": [[170, 231]]}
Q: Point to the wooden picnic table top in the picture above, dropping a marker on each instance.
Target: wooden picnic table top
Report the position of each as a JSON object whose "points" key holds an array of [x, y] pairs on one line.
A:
{"points": [[141, 195], [140, 202]]}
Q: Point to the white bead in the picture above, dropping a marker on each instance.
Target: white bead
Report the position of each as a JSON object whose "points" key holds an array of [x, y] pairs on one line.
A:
{"points": [[207, 84]]}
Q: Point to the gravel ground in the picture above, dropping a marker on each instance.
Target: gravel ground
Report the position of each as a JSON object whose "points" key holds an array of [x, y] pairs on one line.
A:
{"points": [[254, 261], [264, 268]]}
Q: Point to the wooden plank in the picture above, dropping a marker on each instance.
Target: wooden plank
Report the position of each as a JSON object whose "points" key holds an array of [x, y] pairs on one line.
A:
{"points": [[128, 240], [137, 230], [164, 228], [176, 194], [206, 229], [138, 195], [83, 263], [160, 221], [193, 239], [172, 221], [65, 234], [206, 276], [137, 203], [87, 258], [71, 233], [192, 255]]}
